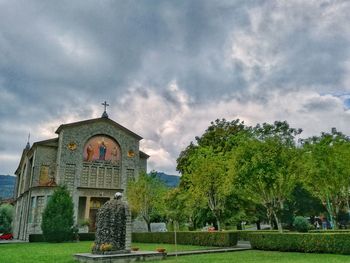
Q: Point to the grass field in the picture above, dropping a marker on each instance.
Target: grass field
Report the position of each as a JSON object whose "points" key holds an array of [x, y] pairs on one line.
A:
{"points": [[63, 253]]}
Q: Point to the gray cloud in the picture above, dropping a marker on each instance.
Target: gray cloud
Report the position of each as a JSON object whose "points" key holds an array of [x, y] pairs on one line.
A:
{"points": [[185, 62]]}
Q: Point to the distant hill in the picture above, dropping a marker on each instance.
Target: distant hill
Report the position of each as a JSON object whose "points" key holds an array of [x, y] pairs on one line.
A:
{"points": [[7, 186], [169, 180]]}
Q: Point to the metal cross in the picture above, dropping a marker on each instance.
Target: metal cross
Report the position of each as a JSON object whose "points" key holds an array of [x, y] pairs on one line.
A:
{"points": [[105, 104]]}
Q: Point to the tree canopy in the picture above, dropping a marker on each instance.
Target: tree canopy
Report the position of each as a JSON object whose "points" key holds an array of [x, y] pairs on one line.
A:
{"points": [[58, 217]]}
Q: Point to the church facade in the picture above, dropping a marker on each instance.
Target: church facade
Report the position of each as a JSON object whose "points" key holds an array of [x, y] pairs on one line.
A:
{"points": [[94, 158]]}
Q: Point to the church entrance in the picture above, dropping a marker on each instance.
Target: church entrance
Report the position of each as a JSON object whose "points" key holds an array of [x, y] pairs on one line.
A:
{"points": [[88, 207], [95, 204]]}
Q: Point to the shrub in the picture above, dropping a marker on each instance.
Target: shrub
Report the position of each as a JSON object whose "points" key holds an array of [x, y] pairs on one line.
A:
{"points": [[36, 238], [82, 237], [86, 236], [218, 239], [338, 243], [57, 219], [243, 235], [6, 216], [301, 224]]}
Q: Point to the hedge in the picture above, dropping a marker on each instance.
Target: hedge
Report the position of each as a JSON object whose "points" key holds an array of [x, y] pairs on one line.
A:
{"points": [[338, 243], [82, 237], [36, 238], [217, 239], [330, 231], [243, 235]]}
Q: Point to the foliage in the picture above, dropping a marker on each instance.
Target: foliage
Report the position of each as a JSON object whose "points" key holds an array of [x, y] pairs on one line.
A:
{"points": [[146, 197], [326, 170], [301, 203], [177, 206], [208, 175], [221, 136], [217, 239], [265, 167], [301, 224], [57, 218], [338, 243], [204, 168], [6, 216]]}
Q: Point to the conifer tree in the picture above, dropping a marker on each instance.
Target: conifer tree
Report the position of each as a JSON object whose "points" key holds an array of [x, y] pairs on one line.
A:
{"points": [[57, 220]]}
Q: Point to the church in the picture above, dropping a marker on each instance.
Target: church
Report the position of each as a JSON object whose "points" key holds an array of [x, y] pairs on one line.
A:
{"points": [[94, 158]]}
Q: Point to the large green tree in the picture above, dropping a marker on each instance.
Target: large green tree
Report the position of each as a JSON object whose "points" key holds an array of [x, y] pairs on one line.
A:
{"points": [[202, 165], [207, 173], [221, 136], [146, 197], [58, 217], [6, 216], [326, 170], [265, 167]]}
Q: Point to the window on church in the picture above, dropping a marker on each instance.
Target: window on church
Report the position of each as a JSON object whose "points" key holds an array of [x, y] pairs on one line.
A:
{"points": [[32, 210], [130, 174], [40, 205]]}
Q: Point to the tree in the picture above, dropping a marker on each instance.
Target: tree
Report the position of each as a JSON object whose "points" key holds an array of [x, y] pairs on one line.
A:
{"points": [[266, 167], [209, 153], [146, 197], [326, 170], [57, 219], [207, 173], [221, 136], [6, 216]]}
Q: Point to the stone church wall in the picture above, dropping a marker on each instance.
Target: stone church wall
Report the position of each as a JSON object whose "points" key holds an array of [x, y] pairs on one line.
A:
{"points": [[45, 157]]}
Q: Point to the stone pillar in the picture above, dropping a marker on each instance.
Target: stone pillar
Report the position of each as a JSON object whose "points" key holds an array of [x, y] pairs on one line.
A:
{"points": [[87, 208]]}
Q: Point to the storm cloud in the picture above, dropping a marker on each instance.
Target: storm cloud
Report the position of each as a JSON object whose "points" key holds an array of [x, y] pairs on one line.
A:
{"points": [[168, 68]]}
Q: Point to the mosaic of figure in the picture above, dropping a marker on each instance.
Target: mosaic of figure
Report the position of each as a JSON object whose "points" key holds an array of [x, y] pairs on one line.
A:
{"points": [[101, 148]]}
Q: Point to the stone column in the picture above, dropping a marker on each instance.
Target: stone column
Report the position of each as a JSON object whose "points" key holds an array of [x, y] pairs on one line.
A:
{"points": [[87, 208]]}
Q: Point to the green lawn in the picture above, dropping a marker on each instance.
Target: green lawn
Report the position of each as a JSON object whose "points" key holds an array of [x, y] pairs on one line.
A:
{"points": [[255, 256], [63, 253]]}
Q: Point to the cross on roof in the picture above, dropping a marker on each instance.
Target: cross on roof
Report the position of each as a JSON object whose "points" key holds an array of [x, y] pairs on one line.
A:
{"points": [[104, 114], [105, 104]]}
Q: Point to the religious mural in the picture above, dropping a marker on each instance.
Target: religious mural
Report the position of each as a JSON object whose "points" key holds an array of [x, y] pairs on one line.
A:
{"points": [[101, 148]]}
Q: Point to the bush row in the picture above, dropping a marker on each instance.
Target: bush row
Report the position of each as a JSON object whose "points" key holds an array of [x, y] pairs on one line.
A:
{"points": [[330, 231], [217, 239], [338, 243], [243, 235], [82, 237]]}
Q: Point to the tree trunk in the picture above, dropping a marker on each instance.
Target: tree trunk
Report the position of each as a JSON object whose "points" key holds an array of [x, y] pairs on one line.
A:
{"points": [[278, 222], [348, 206], [148, 222], [218, 223], [258, 226]]}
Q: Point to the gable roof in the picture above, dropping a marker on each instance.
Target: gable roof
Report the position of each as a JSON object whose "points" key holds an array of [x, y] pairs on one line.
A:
{"points": [[49, 142], [144, 155], [117, 125]]}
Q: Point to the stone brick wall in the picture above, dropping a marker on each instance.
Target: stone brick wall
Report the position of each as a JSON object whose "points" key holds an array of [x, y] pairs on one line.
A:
{"points": [[44, 155]]}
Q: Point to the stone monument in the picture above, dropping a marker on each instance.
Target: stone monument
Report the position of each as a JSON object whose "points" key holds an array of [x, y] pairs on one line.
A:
{"points": [[113, 231], [113, 236]]}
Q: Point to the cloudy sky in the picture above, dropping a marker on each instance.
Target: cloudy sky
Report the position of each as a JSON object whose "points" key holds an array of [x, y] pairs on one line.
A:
{"points": [[168, 68]]}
